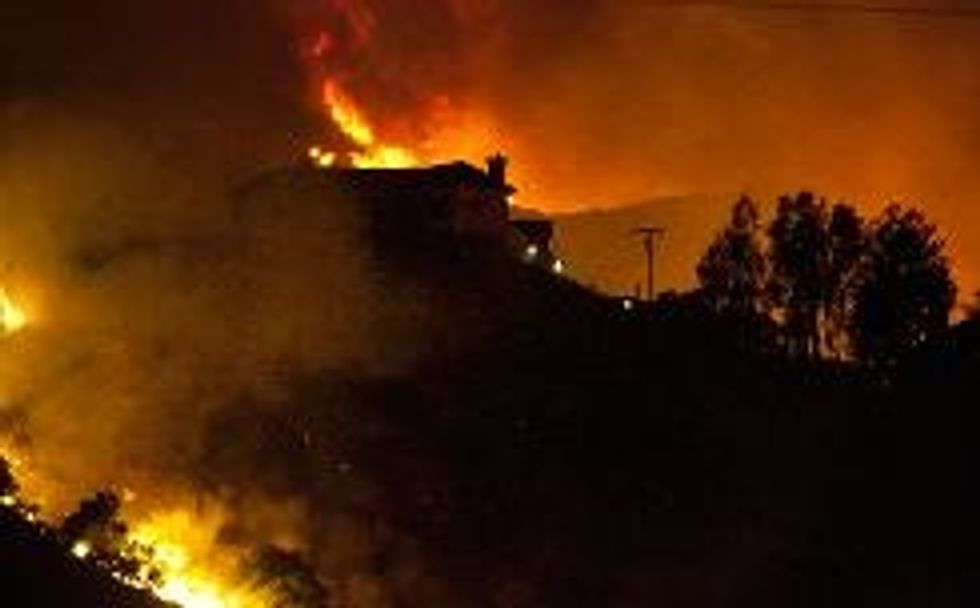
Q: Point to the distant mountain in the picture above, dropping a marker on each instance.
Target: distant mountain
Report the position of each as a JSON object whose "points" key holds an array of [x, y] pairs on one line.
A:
{"points": [[602, 250]]}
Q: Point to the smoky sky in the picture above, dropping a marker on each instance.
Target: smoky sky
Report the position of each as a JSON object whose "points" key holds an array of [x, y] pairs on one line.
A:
{"points": [[605, 103], [599, 103], [215, 80]]}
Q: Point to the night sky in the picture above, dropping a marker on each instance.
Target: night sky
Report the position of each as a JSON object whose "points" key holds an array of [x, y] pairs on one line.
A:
{"points": [[599, 103]]}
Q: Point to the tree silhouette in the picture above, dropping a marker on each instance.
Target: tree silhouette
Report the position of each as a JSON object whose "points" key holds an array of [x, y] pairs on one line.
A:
{"points": [[291, 580], [799, 258], [732, 272], [846, 234], [813, 255], [8, 484], [95, 520], [904, 290], [96, 526]]}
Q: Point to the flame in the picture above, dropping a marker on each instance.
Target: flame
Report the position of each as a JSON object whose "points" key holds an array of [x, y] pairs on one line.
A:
{"points": [[350, 119], [194, 572], [31, 483], [12, 317]]}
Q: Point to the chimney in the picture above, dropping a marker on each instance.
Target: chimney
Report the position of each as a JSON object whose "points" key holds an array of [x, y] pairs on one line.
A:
{"points": [[497, 171]]}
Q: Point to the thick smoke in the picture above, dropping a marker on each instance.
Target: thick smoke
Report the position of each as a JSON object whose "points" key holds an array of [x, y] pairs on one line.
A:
{"points": [[166, 325], [169, 314], [602, 103]]}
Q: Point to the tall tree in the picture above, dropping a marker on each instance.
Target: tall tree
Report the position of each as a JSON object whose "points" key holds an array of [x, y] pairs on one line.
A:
{"points": [[904, 292], [799, 258], [846, 234], [732, 272], [813, 255]]}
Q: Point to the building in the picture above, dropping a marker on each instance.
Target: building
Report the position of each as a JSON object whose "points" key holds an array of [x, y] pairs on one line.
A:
{"points": [[419, 210], [531, 240]]}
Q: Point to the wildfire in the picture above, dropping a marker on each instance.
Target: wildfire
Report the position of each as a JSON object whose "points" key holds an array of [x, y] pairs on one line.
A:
{"points": [[193, 573], [350, 119], [12, 317], [195, 570]]}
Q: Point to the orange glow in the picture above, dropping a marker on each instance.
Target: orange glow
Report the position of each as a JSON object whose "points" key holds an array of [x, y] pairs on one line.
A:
{"points": [[12, 316], [196, 570], [32, 485], [370, 152], [347, 115], [195, 573]]}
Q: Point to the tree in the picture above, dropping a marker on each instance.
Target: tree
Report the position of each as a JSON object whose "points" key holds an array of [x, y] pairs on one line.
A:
{"points": [[799, 257], [293, 582], [95, 521], [8, 484], [732, 272], [846, 234], [904, 290], [813, 255], [94, 531]]}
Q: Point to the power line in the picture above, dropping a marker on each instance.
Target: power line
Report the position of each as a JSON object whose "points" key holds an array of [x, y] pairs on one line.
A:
{"points": [[649, 235]]}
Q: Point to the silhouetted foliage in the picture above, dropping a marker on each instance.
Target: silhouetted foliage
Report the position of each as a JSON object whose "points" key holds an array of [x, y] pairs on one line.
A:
{"points": [[292, 581], [846, 234], [813, 255], [96, 524], [732, 272], [95, 521], [799, 258], [8, 484], [904, 291]]}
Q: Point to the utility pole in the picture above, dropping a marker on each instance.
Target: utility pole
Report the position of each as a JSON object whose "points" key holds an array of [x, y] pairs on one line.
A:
{"points": [[649, 235]]}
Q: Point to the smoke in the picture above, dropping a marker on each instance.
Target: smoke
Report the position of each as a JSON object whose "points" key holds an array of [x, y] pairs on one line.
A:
{"points": [[606, 103], [167, 327], [169, 315]]}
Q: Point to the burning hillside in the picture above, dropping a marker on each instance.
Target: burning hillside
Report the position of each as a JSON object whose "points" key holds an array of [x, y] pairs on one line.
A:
{"points": [[255, 386]]}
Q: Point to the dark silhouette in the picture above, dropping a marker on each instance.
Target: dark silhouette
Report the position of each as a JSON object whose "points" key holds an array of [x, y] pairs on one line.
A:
{"points": [[95, 532], [95, 521], [846, 235], [799, 267], [813, 255], [573, 453], [8, 485], [290, 579], [732, 272], [904, 291]]}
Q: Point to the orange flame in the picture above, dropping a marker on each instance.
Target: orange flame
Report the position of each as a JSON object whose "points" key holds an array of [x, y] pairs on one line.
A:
{"points": [[194, 572], [350, 119]]}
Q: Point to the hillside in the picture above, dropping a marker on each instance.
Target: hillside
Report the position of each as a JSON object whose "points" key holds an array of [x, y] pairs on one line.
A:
{"points": [[602, 250], [36, 571]]}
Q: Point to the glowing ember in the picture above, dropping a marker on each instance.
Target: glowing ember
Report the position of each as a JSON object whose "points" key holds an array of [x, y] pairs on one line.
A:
{"points": [[12, 317], [81, 549]]}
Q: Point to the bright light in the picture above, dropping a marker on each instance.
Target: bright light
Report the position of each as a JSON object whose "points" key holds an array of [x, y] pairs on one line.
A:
{"points": [[347, 115], [81, 549], [531, 252], [8, 501], [350, 119], [12, 317], [558, 267], [321, 158], [195, 571], [628, 304]]}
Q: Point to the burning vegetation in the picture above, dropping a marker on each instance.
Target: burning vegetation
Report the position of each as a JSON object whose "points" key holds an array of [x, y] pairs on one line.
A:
{"points": [[320, 386]]}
